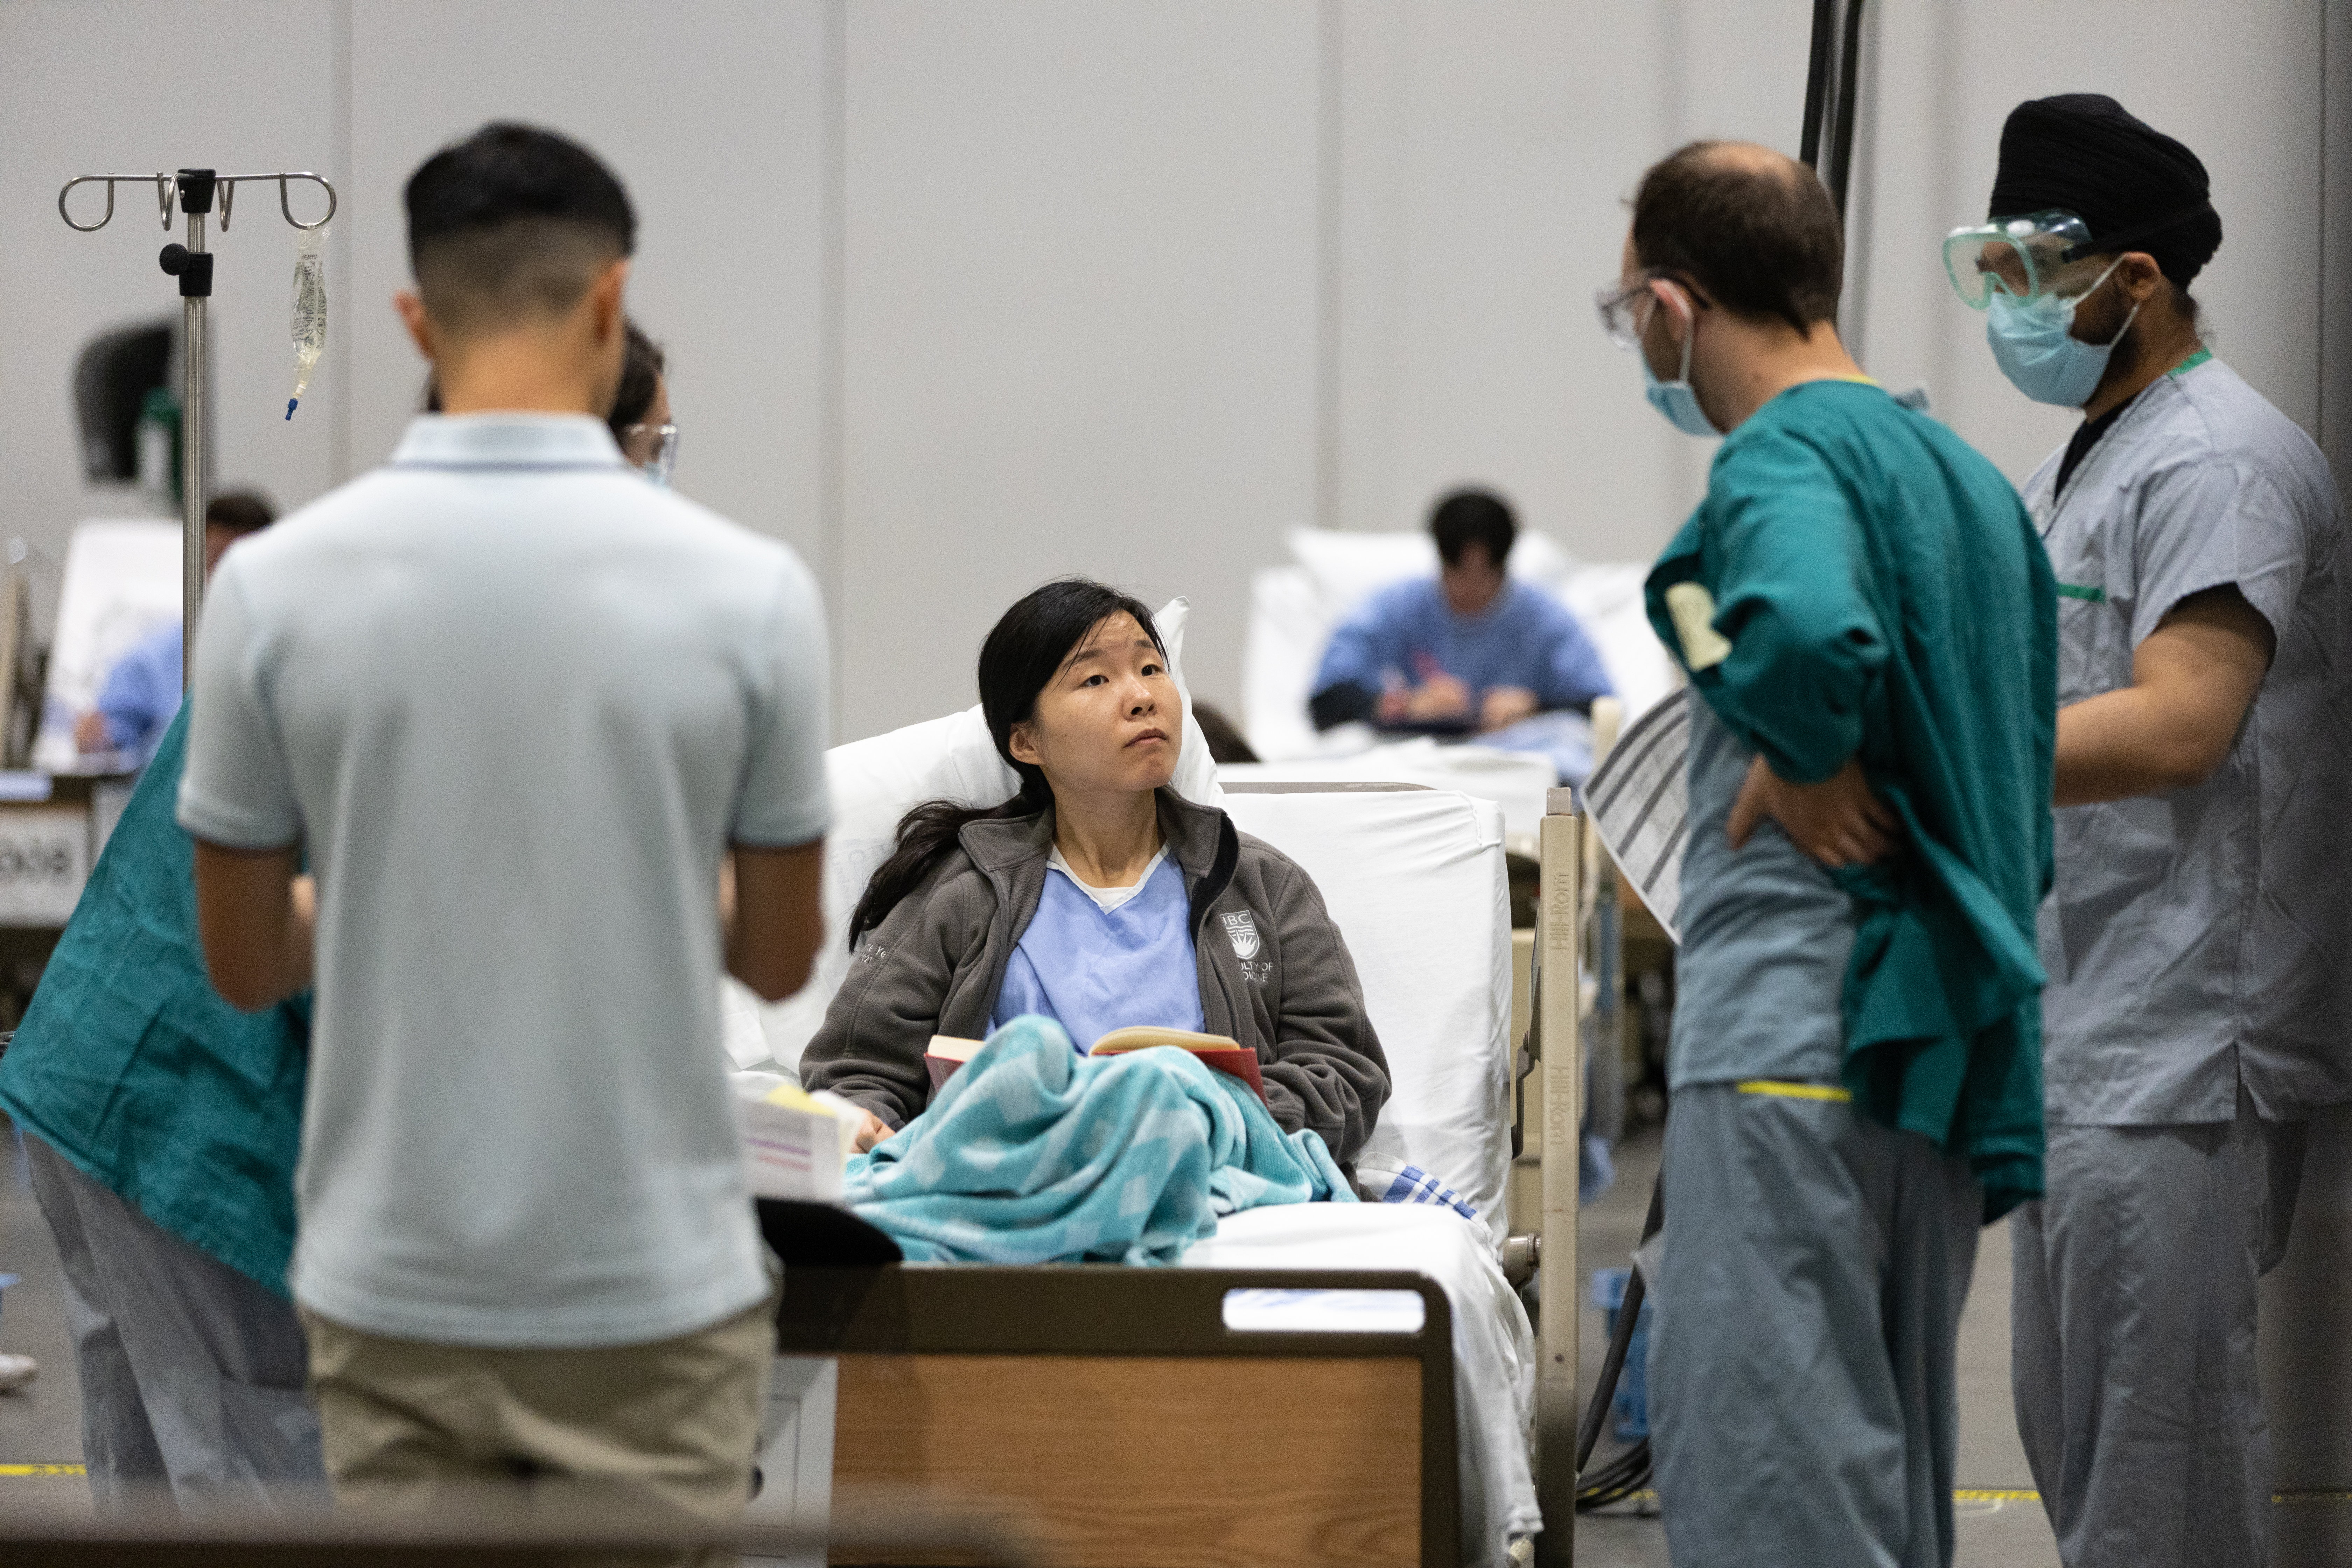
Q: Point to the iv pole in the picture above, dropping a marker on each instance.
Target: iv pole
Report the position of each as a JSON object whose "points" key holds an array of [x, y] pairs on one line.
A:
{"points": [[192, 264]]}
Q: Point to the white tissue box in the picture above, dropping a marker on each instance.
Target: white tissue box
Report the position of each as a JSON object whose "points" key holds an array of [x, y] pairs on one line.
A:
{"points": [[795, 1145]]}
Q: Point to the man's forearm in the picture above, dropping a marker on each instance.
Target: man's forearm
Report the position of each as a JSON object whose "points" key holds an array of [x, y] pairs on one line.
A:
{"points": [[2124, 743], [257, 920], [2192, 681]]}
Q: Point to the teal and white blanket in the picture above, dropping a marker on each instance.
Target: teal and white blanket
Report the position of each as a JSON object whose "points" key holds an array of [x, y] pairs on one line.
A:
{"points": [[1033, 1153]]}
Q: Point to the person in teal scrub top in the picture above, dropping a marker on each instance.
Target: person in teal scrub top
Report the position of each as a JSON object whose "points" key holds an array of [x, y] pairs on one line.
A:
{"points": [[161, 1126], [1867, 621]]}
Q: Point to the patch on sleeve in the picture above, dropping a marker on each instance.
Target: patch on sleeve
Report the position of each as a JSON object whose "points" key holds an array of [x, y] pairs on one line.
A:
{"points": [[1693, 609]]}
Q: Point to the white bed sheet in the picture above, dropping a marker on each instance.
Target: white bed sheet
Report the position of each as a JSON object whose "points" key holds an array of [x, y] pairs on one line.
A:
{"points": [[1519, 782], [1415, 881], [1494, 1344]]}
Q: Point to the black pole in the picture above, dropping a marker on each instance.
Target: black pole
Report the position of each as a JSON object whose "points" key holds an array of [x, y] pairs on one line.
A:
{"points": [[1817, 83], [1629, 1312], [1849, 72]]}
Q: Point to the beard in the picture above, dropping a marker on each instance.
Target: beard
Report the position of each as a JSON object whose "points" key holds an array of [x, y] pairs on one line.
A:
{"points": [[2099, 318]]}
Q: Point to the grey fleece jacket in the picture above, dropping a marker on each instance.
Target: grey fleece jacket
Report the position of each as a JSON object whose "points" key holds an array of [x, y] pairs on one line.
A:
{"points": [[1274, 974]]}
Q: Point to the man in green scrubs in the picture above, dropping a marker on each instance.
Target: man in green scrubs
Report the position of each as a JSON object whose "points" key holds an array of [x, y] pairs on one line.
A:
{"points": [[1866, 620], [160, 1125]]}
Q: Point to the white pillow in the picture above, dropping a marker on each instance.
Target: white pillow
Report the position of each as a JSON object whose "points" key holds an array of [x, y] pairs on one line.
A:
{"points": [[875, 782], [1350, 567]]}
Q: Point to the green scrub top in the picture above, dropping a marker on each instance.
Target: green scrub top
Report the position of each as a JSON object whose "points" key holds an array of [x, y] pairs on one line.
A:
{"points": [[1873, 587], [130, 1065]]}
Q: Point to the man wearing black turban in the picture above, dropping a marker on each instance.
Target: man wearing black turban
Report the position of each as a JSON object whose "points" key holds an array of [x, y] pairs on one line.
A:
{"points": [[2203, 908]]}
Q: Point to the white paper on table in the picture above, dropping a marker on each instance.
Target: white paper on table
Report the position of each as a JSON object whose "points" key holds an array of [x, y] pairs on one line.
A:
{"points": [[1639, 799]]}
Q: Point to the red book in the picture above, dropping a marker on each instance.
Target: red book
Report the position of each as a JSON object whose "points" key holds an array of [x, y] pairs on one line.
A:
{"points": [[1228, 1056]]}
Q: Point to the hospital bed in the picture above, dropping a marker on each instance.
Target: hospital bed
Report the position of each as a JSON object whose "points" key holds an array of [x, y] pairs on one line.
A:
{"points": [[1236, 1409]]}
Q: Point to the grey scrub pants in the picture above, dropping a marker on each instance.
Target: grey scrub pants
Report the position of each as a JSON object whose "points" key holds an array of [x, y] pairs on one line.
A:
{"points": [[2133, 1338], [1802, 1404], [192, 1375]]}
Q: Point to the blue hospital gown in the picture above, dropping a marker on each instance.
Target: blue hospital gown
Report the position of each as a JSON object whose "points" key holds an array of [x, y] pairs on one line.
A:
{"points": [[1407, 632]]}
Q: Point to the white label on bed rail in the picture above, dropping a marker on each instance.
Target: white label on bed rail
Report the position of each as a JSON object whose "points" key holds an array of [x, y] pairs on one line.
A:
{"points": [[1264, 1311], [795, 1464], [1640, 802]]}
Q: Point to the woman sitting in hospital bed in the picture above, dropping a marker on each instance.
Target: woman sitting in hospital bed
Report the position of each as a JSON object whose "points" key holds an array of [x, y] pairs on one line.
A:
{"points": [[1097, 896]]}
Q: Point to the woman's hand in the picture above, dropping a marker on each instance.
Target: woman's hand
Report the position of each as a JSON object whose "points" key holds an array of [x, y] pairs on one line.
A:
{"points": [[1838, 822], [871, 1130]]}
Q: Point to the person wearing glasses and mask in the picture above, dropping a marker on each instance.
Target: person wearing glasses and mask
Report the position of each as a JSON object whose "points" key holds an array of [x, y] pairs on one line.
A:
{"points": [[2197, 935], [1867, 623], [641, 420]]}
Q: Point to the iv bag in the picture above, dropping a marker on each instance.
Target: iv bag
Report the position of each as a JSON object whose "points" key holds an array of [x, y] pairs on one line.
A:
{"points": [[309, 309]]}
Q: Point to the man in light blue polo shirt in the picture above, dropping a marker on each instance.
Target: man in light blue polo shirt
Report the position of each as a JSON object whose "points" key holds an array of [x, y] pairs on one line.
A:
{"points": [[519, 706]]}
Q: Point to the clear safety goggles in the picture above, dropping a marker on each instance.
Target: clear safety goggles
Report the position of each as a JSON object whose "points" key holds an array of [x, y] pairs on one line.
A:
{"points": [[2047, 253], [1625, 308], [653, 447]]}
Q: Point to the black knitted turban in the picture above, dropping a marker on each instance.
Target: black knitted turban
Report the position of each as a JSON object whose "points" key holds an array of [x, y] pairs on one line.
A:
{"points": [[2134, 186]]}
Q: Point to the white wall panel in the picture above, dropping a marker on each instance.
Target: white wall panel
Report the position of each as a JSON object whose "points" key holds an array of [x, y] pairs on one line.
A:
{"points": [[1120, 290], [135, 86], [711, 114], [1079, 329], [1488, 153]]}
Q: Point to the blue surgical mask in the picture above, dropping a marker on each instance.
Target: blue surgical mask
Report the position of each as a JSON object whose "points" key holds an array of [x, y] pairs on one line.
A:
{"points": [[1675, 399], [2033, 342]]}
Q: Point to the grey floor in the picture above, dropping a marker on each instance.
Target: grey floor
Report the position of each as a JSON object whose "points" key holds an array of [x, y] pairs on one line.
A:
{"points": [[41, 1425]]}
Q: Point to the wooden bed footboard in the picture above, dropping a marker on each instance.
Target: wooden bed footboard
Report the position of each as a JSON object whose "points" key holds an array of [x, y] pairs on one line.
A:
{"points": [[1109, 1416]]}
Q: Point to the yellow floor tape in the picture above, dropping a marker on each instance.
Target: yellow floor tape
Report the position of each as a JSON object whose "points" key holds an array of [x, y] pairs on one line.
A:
{"points": [[13, 1471], [2003, 1494]]}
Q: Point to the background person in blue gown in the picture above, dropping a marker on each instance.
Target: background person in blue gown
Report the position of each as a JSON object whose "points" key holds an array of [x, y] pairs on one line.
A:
{"points": [[141, 694], [1469, 652]]}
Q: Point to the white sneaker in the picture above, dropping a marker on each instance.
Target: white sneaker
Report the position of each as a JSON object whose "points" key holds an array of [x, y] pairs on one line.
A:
{"points": [[17, 1370]]}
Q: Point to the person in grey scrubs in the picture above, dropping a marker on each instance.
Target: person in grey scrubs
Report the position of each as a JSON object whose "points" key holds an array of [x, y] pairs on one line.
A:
{"points": [[2197, 935]]}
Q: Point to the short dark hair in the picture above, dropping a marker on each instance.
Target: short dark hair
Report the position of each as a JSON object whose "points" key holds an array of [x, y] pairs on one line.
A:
{"points": [[1758, 236], [1468, 516], [243, 511], [511, 221], [642, 364]]}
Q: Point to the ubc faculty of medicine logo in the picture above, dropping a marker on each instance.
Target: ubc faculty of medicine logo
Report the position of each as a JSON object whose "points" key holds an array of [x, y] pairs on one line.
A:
{"points": [[1242, 932]]}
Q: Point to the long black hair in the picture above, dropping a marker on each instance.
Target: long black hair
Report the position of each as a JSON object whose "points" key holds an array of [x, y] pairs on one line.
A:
{"points": [[1021, 654]]}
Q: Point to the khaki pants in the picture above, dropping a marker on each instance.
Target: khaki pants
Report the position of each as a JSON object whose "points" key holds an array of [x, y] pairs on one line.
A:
{"points": [[675, 1422]]}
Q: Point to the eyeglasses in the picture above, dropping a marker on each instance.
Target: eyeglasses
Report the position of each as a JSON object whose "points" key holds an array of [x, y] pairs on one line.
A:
{"points": [[1623, 308], [653, 447]]}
